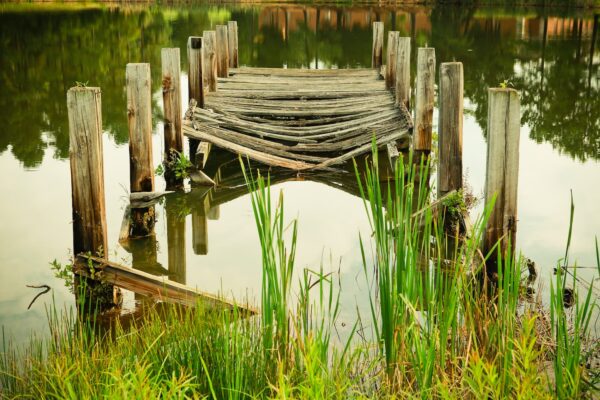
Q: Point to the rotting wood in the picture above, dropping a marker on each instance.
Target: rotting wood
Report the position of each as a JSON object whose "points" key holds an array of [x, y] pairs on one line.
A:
{"points": [[209, 60], [232, 35], [403, 72], [195, 81], [425, 98], [377, 51], [222, 48], [171, 87], [141, 168], [450, 127], [159, 288], [502, 173], [146, 199], [391, 59]]}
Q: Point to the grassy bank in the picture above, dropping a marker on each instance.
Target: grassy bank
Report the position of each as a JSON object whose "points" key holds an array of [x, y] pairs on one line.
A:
{"points": [[440, 328]]}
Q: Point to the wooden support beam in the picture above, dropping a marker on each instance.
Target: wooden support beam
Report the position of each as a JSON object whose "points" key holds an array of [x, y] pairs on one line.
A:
{"points": [[202, 153], [502, 173], [195, 81], [450, 127], [232, 36], [377, 53], [424, 99], [403, 72], [222, 46], [171, 87], [391, 60], [141, 168], [209, 60], [392, 152]]}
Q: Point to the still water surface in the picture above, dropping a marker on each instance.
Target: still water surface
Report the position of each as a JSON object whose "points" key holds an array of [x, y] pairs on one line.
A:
{"points": [[550, 56]]}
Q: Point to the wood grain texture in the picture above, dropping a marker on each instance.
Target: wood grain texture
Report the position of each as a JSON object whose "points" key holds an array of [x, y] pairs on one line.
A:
{"points": [[209, 60], [502, 173], [403, 88], [377, 51], [232, 36], [195, 80], [425, 98], [222, 46], [171, 89], [391, 60], [84, 107], [450, 128]]}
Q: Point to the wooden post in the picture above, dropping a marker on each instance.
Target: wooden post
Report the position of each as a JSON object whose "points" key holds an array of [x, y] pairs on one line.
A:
{"points": [[403, 72], [424, 99], [195, 81], [141, 169], [209, 60], [450, 126], [222, 45], [84, 108], [391, 60], [503, 130], [233, 44], [377, 53], [87, 169], [171, 71]]}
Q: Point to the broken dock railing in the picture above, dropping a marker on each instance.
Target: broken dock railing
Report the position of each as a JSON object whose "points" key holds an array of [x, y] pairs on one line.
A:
{"points": [[309, 122]]}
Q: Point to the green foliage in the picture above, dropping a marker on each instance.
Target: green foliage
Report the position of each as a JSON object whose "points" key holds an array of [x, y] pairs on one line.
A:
{"points": [[178, 164]]}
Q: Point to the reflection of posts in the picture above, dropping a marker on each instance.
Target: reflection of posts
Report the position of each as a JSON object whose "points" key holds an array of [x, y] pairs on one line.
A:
{"points": [[176, 244], [141, 169], [200, 231], [144, 256], [503, 129], [87, 185]]}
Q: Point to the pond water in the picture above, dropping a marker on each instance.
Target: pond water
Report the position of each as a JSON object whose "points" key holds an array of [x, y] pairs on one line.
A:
{"points": [[550, 56]]}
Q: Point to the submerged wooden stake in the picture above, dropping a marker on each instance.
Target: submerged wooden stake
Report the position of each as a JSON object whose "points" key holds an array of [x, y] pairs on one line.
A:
{"points": [[391, 60], [425, 98], [450, 126], [403, 72], [232, 35], [171, 70], [141, 169], [377, 53], [222, 46], [209, 60], [503, 129]]}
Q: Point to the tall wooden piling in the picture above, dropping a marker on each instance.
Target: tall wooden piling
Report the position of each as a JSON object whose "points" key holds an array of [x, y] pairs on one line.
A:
{"points": [[84, 108], [171, 87], [141, 168], [403, 72], [232, 36], [87, 169], [209, 60], [450, 127], [425, 98], [391, 60], [222, 46], [502, 173], [195, 80], [377, 53]]}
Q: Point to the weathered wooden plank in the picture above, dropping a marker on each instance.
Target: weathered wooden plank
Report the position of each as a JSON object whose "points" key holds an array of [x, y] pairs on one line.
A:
{"points": [[222, 47], [84, 108], [209, 60], [391, 60], [392, 153], [424, 99], [502, 173], [450, 127], [403, 72], [232, 36], [171, 87], [377, 51], [146, 199]]}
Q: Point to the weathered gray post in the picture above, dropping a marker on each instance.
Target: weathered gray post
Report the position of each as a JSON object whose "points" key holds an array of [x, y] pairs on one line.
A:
{"points": [[222, 45], [209, 60], [84, 108], [171, 87], [232, 29], [141, 169], [195, 81], [450, 127], [377, 53], [502, 174], [425, 98], [391, 60], [403, 72]]}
